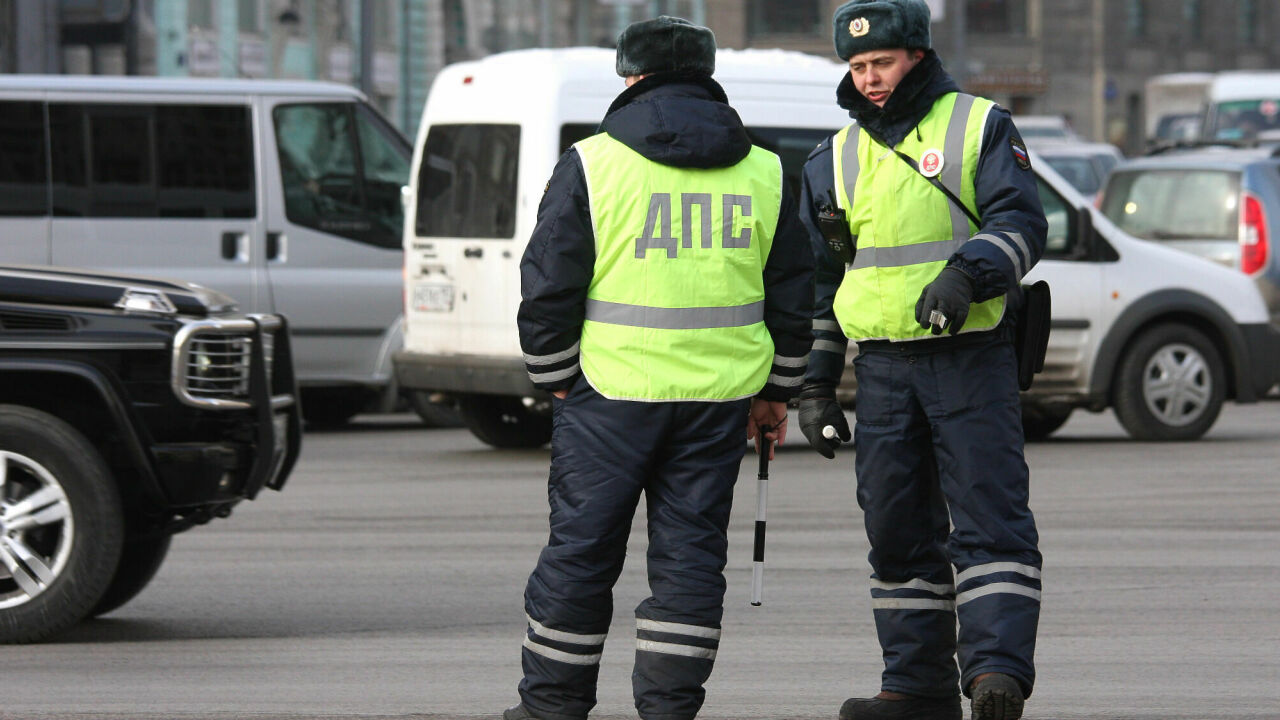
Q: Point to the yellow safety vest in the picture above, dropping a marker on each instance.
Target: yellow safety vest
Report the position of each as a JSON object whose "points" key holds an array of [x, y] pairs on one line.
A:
{"points": [[906, 228], [675, 310]]}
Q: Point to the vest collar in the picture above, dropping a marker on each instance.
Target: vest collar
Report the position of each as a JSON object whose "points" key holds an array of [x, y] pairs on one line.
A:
{"points": [[907, 106], [678, 120]]}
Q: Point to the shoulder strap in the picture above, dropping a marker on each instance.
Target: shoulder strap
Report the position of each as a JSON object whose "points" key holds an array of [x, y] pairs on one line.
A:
{"points": [[934, 181]]}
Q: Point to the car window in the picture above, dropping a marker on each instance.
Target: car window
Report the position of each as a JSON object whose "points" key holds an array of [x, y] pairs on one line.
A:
{"points": [[1079, 171], [467, 181], [1244, 119], [1175, 204], [336, 168], [22, 159], [148, 161], [1060, 216]]}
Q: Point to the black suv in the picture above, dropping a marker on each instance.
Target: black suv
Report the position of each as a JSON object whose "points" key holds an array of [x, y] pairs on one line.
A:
{"points": [[130, 410]]}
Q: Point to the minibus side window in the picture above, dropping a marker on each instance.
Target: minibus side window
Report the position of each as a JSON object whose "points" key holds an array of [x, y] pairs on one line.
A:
{"points": [[151, 161], [22, 160], [340, 172], [467, 182]]}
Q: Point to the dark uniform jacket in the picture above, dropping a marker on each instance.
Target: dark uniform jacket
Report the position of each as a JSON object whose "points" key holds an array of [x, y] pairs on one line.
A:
{"points": [[683, 122], [1006, 194]]}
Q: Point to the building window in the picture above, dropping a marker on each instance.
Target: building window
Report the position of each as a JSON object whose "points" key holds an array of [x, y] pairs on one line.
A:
{"points": [[996, 17], [1193, 16], [1248, 21], [249, 16], [200, 13], [785, 17], [1136, 18]]}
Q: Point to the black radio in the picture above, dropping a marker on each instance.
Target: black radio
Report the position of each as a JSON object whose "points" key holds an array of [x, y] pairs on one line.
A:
{"points": [[834, 227]]}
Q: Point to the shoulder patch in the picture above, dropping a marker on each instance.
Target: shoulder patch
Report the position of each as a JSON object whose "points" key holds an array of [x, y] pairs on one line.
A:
{"points": [[1019, 150]]}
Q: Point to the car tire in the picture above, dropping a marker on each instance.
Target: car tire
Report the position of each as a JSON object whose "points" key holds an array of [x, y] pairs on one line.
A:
{"points": [[434, 414], [61, 529], [332, 407], [1040, 420], [140, 559], [503, 421], [1171, 384]]}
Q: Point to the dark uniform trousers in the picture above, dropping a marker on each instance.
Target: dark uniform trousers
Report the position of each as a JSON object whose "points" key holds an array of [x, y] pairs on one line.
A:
{"points": [[941, 482], [684, 456]]}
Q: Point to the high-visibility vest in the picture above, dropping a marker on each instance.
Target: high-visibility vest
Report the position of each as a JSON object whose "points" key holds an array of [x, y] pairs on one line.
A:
{"points": [[906, 228], [675, 310]]}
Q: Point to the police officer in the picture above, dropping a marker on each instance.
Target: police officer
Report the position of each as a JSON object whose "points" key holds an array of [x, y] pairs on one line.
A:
{"points": [[930, 198], [667, 305]]}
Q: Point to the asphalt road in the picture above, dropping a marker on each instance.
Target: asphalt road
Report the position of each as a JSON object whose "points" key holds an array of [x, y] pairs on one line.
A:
{"points": [[386, 581]]}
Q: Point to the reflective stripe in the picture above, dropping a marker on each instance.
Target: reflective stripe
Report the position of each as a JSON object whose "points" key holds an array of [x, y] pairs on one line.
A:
{"points": [[695, 318], [678, 629], [785, 380], [829, 346], [1003, 245], [916, 584], [563, 636], [849, 165], [554, 376], [994, 588], [673, 649], [902, 255], [552, 358], [560, 655], [912, 604], [998, 567], [953, 168], [791, 362], [827, 326]]}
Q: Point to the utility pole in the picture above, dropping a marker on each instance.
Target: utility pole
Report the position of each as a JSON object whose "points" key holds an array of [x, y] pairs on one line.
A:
{"points": [[1099, 105], [545, 36], [366, 47], [959, 67]]}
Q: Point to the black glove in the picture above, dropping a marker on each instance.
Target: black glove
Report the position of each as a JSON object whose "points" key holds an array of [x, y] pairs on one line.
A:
{"points": [[949, 294], [818, 410]]}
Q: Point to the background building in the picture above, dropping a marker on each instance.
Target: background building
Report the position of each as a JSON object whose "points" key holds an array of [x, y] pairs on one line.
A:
{"points": [[1085, 59]]}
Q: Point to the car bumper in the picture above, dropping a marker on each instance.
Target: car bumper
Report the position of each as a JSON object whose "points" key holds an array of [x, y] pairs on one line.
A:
{"points": [[1262, 343], [463, 374]]}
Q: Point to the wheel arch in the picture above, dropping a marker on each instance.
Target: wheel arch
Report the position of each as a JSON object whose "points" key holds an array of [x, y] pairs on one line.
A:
{"points": [[1175, 306], [48, 385]]}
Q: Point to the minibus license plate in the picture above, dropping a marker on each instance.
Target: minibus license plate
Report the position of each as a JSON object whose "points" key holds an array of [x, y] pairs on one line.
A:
{"points": [[433, 298]]}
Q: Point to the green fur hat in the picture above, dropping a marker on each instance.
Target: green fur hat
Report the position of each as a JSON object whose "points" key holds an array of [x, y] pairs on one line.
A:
{"points": [[863, 25], [666, 44]]}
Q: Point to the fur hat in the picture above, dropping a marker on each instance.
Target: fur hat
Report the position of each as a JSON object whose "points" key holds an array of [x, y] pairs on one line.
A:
{"points": [[863, 25], [666, 44]]}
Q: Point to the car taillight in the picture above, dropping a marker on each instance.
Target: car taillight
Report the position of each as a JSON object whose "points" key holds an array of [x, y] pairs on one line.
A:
{"points": [[1253, 235]]}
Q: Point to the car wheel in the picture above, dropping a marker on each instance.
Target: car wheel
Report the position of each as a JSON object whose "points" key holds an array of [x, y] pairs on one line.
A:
{"points": [[434, 414], [1040, 420], [332, 407], [61, 526], [139, 561], [504, 422], [1171, 384]]}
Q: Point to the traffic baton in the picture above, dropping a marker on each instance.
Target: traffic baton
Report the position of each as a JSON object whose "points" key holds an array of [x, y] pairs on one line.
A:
{"points": [[762, 499]]}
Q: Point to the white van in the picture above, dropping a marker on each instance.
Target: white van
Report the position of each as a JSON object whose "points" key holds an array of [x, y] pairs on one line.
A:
{"points": [[1126, 314], [490, 137], [283, 195], [1243, 106]]}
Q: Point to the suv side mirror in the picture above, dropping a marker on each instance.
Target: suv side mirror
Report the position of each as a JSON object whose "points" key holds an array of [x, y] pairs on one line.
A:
{"points": [[1083, 245]]}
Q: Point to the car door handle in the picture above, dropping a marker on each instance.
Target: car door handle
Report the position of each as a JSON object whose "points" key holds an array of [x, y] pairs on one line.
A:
{"points": [[473, 252], [277, 246], [235, 246]]}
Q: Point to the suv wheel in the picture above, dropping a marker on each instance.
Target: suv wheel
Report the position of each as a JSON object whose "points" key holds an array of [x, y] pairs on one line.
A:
{"points": [[61, 526], [1171, 384], [1040, 420], [140, 559], [504, 422]]}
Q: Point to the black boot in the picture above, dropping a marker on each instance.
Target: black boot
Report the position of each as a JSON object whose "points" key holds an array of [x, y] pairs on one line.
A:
{"points": [[908, 708], [519, 712], [996, 697]]}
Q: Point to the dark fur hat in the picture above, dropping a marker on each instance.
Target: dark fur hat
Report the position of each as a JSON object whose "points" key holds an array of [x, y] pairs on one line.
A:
{"points": [[666, 44], [863, 25]]}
